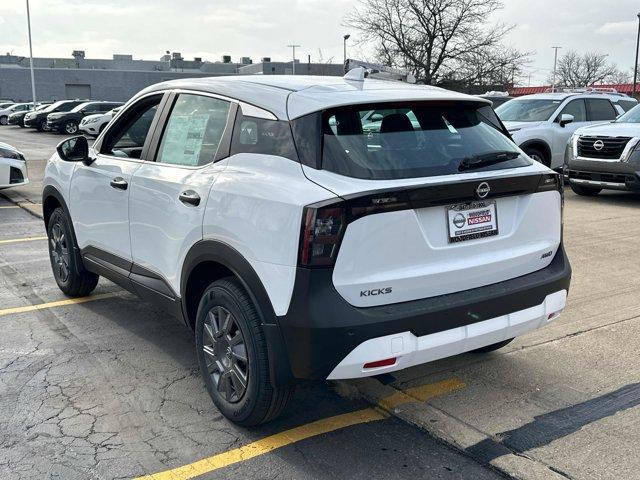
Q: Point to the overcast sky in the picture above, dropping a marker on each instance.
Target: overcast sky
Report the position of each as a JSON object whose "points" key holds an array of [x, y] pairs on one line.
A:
{"points": [[258, 28]]}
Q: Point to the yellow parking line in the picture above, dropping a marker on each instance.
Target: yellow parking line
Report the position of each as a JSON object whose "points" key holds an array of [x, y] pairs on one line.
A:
{"points": [[319, 427], [60, 303], [9, 206], [268, 444], [26, 239], [421, 393]]}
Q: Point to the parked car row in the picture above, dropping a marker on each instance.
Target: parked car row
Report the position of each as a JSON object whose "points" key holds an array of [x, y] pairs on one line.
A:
{"points": [[64, 116]]}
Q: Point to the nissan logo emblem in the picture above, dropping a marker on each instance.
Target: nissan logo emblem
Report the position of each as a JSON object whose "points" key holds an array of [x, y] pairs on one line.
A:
{"points": [[483, 190], [459, 220], [598, 145]]}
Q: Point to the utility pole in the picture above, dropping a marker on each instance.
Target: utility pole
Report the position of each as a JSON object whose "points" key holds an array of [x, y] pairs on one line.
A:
{"points": [[345, 38], [555, 66], [294, 56], [33, 82], [635, 68]]}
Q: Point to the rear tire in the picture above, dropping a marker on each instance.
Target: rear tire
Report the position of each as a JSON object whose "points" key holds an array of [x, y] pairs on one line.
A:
{"points": [[232, 354], [66, 263], [495, 346], [585, 191]]}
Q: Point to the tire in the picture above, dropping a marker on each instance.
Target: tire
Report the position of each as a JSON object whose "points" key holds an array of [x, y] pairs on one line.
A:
{"points": [[70, 128], [42, 126], [66, 263], [4, 120], [495, 346], [537, 155], [228, 329], [585, 191]]}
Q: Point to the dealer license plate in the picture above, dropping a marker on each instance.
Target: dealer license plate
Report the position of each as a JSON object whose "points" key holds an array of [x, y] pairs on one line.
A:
{"points": [[470, 221]]}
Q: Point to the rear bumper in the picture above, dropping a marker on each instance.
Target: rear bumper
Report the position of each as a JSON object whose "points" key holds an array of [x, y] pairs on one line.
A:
{"points": [[321, 330]]}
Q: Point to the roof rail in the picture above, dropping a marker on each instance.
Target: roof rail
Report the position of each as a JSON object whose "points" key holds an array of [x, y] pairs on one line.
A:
{"points": [[379, 71], [603, 90]]}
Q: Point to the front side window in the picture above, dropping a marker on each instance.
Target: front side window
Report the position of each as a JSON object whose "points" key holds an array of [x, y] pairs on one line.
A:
{"points": [[194, 130], [415, 140], [577, 109], [528, 110], [127, 137], [600, 109]]}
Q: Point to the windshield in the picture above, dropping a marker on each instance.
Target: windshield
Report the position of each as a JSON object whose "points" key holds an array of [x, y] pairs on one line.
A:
{"points": [[527, 110], [632, 116], [77, 108], [413, 140], [54, 106]]}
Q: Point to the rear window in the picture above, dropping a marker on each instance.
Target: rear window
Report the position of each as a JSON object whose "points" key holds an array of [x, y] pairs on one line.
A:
{"points": [[412, 140]]}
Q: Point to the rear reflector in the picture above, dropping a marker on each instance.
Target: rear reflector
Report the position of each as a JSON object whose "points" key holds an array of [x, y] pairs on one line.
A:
{"points": [[381, 363]]}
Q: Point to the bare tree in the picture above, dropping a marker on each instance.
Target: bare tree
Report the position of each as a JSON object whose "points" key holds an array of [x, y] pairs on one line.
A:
{"points": [[436, 40], [620, 76], [576, 71]]}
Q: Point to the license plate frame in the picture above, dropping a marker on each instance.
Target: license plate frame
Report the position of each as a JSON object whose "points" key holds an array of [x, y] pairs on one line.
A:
{"points": [[482, 213]]}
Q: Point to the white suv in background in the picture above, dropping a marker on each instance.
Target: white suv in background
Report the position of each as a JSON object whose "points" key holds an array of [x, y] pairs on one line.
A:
{"points": [[542, 124], [297, 245], [94, 124]]}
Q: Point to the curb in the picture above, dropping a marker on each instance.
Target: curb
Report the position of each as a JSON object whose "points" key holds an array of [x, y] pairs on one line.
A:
{"points": [[450, 431], [34, 209]]}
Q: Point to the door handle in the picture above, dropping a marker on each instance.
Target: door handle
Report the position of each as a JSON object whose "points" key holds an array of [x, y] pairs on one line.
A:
{"points": [[119, 183], [190, 197]]}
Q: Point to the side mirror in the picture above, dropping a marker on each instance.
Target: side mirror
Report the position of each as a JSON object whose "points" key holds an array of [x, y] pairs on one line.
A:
{"points": [[565, 119], [74, 149]]}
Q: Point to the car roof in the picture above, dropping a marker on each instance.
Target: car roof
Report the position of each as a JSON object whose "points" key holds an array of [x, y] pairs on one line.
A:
{"points": [[292, 96]]}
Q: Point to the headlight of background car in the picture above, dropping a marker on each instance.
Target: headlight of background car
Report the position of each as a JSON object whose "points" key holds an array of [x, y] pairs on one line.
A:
{"points": [[574, 145], [632, 146], [6, 153], [93, 120]]}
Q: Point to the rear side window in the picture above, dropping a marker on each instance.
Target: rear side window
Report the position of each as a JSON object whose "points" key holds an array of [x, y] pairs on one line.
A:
{"points": [[259, 135], [194, 130], [419, 139], [600, 109], [627, 104]]}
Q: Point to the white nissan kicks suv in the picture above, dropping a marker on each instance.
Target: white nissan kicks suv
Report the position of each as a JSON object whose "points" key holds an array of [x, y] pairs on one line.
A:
{"points": [[297, 244]]}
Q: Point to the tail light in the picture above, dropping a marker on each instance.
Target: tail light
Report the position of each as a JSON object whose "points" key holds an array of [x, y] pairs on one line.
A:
{"points": [[322, 231]]}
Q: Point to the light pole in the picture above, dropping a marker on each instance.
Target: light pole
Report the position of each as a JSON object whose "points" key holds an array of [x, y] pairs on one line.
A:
{"points": [[635, 68], [294, 56], [33, 83], [555, 66], [344, 44]]}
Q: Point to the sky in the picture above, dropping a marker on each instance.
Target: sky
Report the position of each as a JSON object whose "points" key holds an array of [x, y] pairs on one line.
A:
{"points": [[264, 28]]}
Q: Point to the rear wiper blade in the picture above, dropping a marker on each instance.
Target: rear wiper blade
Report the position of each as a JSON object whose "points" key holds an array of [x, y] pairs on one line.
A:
{"points": [[485, 159]]}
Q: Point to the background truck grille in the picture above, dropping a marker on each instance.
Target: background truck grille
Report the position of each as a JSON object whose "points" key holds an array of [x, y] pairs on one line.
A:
{"points": [[612, 149]]}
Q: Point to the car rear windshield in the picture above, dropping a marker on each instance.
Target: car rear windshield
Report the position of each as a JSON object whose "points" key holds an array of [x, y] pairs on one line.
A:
{"points": [[420, 139]]}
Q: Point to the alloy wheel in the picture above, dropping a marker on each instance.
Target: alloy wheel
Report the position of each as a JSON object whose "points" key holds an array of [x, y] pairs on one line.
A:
{"points": [[4, 121], [225, 353], [59, 253], [71, 128]]}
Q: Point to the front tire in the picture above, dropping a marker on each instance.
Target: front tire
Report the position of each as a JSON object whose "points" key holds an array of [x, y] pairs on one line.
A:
{"points": [[232, 354], [4, 120], [66, 263], [43, 127], [585, 191], [70, 127]]}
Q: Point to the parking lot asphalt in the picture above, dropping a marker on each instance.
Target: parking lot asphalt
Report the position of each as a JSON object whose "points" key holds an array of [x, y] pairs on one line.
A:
{"points": [[109, 388]]}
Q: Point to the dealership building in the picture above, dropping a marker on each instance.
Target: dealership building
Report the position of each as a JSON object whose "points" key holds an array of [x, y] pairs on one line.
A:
{"points": [[119, 78]]}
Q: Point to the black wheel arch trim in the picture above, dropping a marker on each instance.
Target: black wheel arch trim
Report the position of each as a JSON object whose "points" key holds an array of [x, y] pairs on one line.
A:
{"points": [[230, 258], [49, 191], [537, 142]]}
